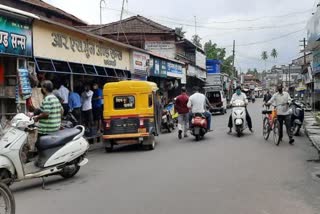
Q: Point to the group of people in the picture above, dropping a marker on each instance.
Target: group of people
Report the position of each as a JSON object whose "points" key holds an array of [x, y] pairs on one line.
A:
{"points": [[188, 106], [86, 107], [197, 103]]}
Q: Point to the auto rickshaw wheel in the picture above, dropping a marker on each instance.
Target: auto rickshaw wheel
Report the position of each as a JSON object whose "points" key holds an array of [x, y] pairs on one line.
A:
{"points": [[109, 148], [152, 143]]}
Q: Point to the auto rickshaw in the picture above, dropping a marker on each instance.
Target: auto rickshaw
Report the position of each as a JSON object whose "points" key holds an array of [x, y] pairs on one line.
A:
{"points": [[131, 114]]}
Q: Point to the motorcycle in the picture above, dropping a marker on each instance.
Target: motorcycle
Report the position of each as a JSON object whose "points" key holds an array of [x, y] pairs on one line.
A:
{"points": [[297, 116], [199, 126], [239, 116], [167, 121], [61, 153]]}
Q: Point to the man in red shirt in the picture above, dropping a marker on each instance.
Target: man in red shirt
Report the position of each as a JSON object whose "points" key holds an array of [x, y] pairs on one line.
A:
{"points": [[183, 111]]}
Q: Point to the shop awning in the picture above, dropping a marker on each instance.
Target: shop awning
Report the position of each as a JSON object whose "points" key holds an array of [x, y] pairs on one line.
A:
{"points": [[63, 67]]}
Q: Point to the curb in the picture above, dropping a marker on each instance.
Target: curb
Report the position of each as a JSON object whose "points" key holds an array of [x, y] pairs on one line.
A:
{"points": [[312, 130]]}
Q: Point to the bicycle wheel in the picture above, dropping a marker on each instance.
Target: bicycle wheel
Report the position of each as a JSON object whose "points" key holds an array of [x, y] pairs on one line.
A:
{"points": [[7, 202], [276, 137], [266, 128]]}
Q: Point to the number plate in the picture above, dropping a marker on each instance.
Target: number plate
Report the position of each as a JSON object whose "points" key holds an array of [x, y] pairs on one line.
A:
{"points": [[144, 130]]}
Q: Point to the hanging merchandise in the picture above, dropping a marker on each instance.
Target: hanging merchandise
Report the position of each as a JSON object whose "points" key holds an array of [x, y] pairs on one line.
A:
{"points": [[24, 84]]}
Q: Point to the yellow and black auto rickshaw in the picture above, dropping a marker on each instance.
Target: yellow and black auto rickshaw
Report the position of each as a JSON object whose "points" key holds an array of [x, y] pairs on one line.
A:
{"points": [[131, 114]]}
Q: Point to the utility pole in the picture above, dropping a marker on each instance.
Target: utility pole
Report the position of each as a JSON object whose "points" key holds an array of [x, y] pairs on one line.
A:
{"points": [[195, 25], [101, 1], [233, 58], [121, 16]]}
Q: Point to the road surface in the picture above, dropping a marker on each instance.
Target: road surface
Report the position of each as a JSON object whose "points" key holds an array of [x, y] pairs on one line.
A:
{"points": [[222, 174]]}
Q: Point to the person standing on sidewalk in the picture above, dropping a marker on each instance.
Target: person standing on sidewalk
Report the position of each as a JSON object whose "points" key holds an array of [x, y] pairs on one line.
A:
{"points": [[281, 100], [64, 94], [97, 106], [87, 118], [75, 105], [181, 106]]}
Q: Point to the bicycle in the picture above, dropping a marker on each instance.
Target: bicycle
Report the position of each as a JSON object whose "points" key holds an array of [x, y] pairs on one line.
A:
{"points": [[7, 202], [271, 123]]}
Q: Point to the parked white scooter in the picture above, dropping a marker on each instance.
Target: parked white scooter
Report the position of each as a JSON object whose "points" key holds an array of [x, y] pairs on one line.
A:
{"points": [[61, 153], [239, 116]]}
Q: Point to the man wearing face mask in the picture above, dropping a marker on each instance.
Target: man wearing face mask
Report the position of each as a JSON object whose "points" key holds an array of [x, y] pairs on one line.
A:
{"points": [[281, 100], [240, 96]]}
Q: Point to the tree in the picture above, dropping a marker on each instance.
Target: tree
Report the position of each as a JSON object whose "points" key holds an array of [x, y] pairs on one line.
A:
{"points": [[264, 57], [180, 32], [274, 54], [197, 40], [212, 51]]}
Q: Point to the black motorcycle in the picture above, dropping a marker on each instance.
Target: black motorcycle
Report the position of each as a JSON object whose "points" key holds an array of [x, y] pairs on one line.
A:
{"points": [[297, 116]]}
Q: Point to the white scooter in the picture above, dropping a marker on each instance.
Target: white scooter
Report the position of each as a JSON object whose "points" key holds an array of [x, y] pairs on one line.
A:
{"points": [[239, 116], [61, 153]]}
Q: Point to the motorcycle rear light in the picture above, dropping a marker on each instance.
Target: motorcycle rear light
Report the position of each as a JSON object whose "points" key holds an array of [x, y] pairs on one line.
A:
{"points": [[141, 123], [108, 124]]}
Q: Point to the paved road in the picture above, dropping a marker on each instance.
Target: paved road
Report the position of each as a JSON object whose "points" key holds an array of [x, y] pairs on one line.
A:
{"points": [[222, 174]]}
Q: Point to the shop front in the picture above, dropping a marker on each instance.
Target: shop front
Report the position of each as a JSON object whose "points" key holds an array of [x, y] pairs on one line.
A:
{"points": [[69, 56], [196, 76], [167, 75], [15, 50]]}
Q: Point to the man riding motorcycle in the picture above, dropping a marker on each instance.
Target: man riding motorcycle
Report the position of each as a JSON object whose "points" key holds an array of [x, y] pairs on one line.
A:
{"points": [[240, 96], [198, 102]]}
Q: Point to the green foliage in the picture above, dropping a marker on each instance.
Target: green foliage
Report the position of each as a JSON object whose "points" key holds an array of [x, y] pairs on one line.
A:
{"points": [[180, 32], [264, 56], [197, 40]]}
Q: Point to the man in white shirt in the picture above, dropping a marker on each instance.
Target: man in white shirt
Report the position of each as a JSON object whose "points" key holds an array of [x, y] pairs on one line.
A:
{"points": [[64, 95], [239, 95], [87, 117], [281, 101], [197, 102]]}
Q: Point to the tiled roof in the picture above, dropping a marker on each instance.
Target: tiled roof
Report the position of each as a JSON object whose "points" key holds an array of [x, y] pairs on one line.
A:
{"points": [[42, 4], [134, 24]]}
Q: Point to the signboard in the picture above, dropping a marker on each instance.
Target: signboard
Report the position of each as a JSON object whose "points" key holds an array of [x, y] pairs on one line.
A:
{"points": [[201, 60], [164, 48], [316, 62], [158, 67], [174, 70], [140, 61], [316, 84], [57, 43], [213, 66], [15, 37]]}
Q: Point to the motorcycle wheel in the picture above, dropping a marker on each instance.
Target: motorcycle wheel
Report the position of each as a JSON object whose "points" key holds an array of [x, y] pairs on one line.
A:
{"points": [[6, 195], [238, 130], [70, 170], [296, 130], [197, 137]]}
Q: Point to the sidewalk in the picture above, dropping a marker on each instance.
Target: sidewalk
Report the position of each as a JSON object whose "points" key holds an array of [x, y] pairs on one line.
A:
{"points": [[312, 129]]}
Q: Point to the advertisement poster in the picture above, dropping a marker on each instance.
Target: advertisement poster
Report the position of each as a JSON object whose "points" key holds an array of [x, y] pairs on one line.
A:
{"points": [[140, 61], [15, 37]]}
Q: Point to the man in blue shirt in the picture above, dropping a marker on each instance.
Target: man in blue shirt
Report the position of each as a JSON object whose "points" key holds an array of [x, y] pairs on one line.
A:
{"points": [[75, 105], [97, 106]]}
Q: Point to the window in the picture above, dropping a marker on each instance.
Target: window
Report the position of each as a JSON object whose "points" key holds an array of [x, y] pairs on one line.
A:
{"points": [[90, 69], [45, 65], [100, 71], [111, 72], [61, 66], [77, 68], [124, 102], [150, 100]]}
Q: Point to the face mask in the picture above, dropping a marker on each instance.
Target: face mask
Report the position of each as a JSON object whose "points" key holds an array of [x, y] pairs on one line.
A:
{"points": [[280, 90], [238, 92]]}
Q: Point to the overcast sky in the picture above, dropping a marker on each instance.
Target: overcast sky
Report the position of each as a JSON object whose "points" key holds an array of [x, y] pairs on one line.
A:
{"points": [[222, 21]]}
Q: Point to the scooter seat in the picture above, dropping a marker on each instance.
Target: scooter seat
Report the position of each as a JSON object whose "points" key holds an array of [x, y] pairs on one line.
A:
{"points": [[57, 139]]}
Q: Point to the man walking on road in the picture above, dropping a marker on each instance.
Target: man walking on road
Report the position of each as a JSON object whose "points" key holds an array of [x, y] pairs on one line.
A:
{"points": [[281, 100], [181, 106], [267, 97]]}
